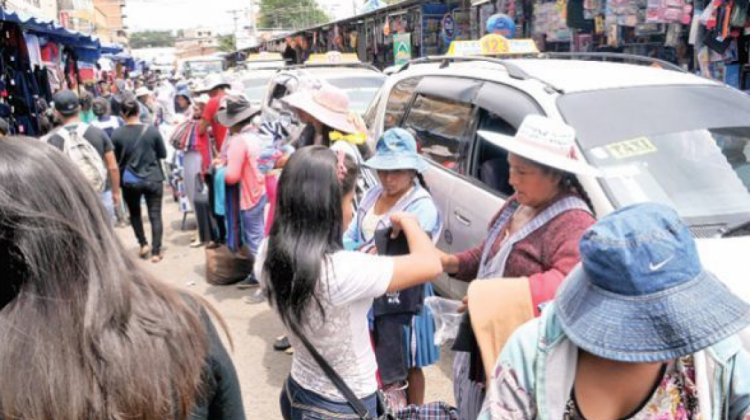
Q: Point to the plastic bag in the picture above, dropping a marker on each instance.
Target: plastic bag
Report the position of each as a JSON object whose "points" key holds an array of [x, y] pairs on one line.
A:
{"points": [[447, 318]]}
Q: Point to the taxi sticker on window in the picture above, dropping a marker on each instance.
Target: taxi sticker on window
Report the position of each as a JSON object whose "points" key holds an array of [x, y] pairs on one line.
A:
{"points": [[630, 148]]}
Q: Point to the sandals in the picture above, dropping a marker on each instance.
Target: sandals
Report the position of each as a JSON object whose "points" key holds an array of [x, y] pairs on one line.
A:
{"points": [[144, 252], [157, 258]]}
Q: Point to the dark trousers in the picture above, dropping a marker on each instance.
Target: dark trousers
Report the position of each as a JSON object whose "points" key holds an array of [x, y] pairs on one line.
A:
{"points": [[153, 192]]}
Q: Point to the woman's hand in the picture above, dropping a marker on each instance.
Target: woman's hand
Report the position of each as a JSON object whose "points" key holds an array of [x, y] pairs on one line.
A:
{"points": [[450, 263], [465, 307], [397, 222]]}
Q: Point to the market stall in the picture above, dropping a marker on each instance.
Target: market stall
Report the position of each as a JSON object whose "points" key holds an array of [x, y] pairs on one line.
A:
{"points": [[43, 58]]}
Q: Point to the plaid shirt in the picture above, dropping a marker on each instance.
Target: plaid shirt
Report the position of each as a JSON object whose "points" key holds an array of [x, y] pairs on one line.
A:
{"points": [[431, 411]]}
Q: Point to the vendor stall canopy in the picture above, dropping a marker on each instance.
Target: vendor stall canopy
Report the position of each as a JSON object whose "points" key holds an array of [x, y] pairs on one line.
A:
{"points": [[86, 47]]}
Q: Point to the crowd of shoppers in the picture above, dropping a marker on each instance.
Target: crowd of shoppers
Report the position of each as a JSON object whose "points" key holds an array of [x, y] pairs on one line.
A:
{"points": [[625, 321]]}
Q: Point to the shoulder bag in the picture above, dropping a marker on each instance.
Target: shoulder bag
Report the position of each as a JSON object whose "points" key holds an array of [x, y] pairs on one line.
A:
{"points": [[339, 383], [130, 178]]}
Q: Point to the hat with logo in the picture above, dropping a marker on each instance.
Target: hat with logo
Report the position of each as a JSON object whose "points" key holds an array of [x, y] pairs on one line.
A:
{"points": [[396, 150], [641, 294], [66, 102], [545, 141]]}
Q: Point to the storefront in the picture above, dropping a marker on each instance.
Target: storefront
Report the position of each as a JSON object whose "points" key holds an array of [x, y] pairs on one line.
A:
{"points": [[43, 59]]}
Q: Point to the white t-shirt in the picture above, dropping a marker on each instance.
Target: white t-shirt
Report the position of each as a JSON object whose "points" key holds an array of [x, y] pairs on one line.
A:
{"points": [[348, 286]]}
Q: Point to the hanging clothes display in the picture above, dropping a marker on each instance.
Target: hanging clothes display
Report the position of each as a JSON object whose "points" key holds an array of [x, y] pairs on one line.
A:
{"points": [[20, 89]]}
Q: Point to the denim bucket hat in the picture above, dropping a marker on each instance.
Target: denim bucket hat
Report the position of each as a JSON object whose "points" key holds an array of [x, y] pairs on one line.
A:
{"points": [[396, 150], [641, 294]]}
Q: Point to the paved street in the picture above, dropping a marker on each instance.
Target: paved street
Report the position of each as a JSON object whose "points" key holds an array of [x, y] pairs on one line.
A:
{"points": [[252, 327]]}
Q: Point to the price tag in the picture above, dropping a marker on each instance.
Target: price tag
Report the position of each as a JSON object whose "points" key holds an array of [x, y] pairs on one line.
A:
{"points": [[630, 148]]}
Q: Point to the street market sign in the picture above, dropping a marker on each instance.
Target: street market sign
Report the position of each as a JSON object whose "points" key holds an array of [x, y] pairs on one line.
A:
{"points": [[493, 44], [449, 27], [402, 48]]}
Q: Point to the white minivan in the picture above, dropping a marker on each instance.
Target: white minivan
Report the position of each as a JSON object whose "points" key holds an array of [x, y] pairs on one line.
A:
{"points": [[657, 135]]}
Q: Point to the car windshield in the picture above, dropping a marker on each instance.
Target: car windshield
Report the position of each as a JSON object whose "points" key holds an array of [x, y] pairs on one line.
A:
{"points": [[361, 90], [255, 88], [684, 146], [205, 67]]}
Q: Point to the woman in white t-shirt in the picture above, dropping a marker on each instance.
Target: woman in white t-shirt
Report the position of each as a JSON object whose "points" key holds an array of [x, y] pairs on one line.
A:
{"points": [[326, 291]]}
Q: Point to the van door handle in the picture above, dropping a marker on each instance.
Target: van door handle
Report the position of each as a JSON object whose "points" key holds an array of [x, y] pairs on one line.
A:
{"points": [[461, 218]]}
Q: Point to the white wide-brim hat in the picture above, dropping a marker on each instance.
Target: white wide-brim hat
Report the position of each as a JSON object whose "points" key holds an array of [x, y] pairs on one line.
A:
{"points": [[545, 141]]}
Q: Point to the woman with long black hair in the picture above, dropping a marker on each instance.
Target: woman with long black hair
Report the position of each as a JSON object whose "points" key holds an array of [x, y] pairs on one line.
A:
{"points": [[86, 333], [324, 292]]}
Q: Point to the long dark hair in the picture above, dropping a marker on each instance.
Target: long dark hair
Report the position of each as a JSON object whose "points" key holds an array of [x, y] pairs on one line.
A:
{"points": [[307, 229], [85, 332]]}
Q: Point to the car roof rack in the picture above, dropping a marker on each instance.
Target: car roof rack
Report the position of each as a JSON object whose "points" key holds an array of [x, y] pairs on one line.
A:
{"points": [[611, 56], [513, 70]]}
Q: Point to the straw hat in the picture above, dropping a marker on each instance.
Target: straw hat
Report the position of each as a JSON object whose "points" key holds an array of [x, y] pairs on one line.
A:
{"points": [[545, 141], [328, 104]]}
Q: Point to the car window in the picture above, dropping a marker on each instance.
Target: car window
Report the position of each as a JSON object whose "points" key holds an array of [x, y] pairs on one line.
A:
{"points": [[492, 162], [399, 99], [440, 127]]}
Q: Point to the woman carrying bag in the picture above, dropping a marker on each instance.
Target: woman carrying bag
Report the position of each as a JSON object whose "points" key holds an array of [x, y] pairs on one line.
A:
{"points": [[323, 293], [139, 149]]}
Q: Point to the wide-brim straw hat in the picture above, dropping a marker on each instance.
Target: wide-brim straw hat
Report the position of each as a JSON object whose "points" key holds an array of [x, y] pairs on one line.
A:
{"points": [[328, 104], [545, 141]]}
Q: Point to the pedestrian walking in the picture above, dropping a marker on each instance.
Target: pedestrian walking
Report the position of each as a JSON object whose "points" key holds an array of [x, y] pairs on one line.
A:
{"points": [[104, 120], [86, 100], [323, 293], [146, 103], [535, 235], [242, 167], [403, 354], [640, 331], [139, 149], [120, 343], [67, 110]]}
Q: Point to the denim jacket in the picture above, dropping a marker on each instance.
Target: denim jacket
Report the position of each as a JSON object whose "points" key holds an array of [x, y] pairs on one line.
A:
{"points": [[534, 375]]}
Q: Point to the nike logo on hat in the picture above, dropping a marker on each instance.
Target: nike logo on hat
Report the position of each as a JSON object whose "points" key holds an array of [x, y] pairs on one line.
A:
{"points": [[656, 267]]}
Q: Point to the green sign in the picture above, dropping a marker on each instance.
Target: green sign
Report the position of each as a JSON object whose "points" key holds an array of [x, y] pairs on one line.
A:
{"points": [[402, 48]]}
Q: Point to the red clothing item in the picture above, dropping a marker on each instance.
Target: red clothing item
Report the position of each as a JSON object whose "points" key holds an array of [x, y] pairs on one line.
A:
{"points": [[202, 145], [242, 166], [545, 256], [209, 114]]}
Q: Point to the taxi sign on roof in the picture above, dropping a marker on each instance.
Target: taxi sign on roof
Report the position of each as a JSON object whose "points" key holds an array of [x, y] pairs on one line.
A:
{"points": [[493, 45], [264, 56], [332, 57]]}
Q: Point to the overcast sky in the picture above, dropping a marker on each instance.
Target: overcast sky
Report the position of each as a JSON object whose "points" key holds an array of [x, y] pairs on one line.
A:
{"points": [[183, 14]]}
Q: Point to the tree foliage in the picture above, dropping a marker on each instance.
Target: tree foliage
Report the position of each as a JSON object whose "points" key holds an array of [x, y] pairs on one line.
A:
{"points": [[291, 14], [151, 39], [226, 43]]}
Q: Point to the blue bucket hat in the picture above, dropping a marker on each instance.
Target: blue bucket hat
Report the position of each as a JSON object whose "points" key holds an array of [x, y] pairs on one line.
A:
{"points": [[397, 150], [641, 294]]}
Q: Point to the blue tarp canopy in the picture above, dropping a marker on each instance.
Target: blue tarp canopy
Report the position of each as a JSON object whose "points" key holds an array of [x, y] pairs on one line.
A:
{"points": [[112, 48], [87, 48]]}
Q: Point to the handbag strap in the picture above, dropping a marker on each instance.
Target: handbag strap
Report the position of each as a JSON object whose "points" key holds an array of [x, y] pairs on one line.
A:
{"points": [[133, 147], [337, 381]]}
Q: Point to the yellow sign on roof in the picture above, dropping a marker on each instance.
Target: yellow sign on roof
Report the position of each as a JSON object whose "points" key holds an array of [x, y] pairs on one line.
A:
{"points": [[493, 45], [332, 57], [265, 56]]}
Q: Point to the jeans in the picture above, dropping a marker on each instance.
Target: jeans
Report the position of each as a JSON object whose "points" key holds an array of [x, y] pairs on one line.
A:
{"points": [[153, 192], [298, 403], [253, 225], [109, 205]]}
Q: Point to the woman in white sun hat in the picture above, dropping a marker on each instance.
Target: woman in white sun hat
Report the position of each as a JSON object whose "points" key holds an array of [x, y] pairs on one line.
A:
{"points": [[534, 235]]}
